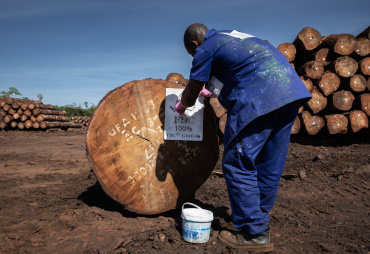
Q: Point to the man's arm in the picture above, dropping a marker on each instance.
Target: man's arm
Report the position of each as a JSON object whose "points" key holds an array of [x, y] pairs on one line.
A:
{"points": [[191, 92]]}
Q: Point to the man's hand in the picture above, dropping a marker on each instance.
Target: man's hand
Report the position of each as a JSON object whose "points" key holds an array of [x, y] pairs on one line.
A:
{"points": [[204, 92], [179, 108]]}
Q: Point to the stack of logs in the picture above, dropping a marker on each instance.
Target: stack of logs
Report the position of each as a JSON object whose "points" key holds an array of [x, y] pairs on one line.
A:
{"points": [[335, 69], [25, 114], [83, 120]]}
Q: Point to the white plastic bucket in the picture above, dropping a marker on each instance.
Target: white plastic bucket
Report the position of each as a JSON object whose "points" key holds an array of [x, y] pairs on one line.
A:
{"points": [[196, 224]]}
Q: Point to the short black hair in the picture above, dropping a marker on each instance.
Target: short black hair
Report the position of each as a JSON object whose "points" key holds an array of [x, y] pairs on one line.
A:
{"points": [[194, 32]]}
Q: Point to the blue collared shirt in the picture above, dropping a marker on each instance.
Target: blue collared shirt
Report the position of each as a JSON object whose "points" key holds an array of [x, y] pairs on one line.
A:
{"points": [[250, 76]]}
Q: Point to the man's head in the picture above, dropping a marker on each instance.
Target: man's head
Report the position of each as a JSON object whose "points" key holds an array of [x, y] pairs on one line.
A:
{"points": [[194, 37]]}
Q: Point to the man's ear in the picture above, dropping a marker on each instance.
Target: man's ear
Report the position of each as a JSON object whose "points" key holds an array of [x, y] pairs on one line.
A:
{"points": [[193, 46]]}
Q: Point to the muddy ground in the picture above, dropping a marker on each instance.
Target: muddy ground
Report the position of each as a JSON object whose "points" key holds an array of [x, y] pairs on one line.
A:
{"points": [[50, 201]]}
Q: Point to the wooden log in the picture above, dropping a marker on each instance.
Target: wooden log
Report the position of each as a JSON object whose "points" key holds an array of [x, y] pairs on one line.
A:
{"points": [[312, 124], [20, 111], [365, 66], [288, 50], [307, 41], [323, 56], [363, 103], [28, 124], [341, 101], [62, 125], [307, 82], [16, 116], [6, 107], [21, 125], [328, 83], [357, 120], [364, 34], [336, 123], [8, 119], [15, 105], [24, 118], [368, 83], [362, 47], [133, 163], [342, 44], [3, 112], [27, 112], [318, 102], [36, 125], [33, 118], [222, 123], [344, 66], [3, 125], [10, 101], [45, 106], [357, 83], [11, 111], [24, 106], [38, 111], [296, 126], [13, 124], [312, 70], [2, 103], [176, 78], [217, 107], [43, 117]]}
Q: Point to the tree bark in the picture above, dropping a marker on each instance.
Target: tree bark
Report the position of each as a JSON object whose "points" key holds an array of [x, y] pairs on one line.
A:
{"points": [[318, 102], [133, 163], [342, 44], [38, 111], [336, 123], [328, 83], [43, 117], [357, 120], [341, 101], [345, 66], [62, 125], [44, 106], [288, 50], [312, 124]]}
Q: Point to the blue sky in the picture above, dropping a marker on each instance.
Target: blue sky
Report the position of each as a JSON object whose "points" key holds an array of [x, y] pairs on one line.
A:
{"points": [[75, 51]]}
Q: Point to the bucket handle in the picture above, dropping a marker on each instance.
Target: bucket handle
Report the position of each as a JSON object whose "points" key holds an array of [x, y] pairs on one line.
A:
{"points": [[187, 203]]}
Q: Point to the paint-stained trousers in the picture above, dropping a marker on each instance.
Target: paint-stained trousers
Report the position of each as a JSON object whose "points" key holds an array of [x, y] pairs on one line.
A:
{"points": [[253, 164]]}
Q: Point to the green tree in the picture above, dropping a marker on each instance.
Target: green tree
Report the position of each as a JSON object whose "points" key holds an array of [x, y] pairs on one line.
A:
{"points": [[86, 104], [40, 96], [12, 91]]}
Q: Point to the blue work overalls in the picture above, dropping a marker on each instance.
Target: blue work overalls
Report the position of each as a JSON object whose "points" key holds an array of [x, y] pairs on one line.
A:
{"points": [[262, 93]]}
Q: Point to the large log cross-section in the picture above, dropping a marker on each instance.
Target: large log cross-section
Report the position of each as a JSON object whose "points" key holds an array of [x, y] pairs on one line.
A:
{"points": [[133, 163]]}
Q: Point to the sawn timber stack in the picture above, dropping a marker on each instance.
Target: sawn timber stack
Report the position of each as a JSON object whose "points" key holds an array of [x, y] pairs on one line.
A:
{"points": [[133, 163]]}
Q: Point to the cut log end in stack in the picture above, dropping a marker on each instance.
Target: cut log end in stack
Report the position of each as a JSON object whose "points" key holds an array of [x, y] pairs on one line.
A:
{"points": [[335, 69], [21, 114], [83, 120]]}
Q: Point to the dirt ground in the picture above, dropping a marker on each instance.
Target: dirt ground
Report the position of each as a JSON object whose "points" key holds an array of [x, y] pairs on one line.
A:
{"points": [[50, 201]]}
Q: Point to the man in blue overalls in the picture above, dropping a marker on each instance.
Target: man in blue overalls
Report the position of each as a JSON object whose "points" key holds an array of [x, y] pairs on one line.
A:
{"points": [[262, 94]]}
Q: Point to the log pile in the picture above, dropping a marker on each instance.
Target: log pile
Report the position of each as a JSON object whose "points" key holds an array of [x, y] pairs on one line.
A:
{"points": [[335, 69], [22, 114], [83, 120]]}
